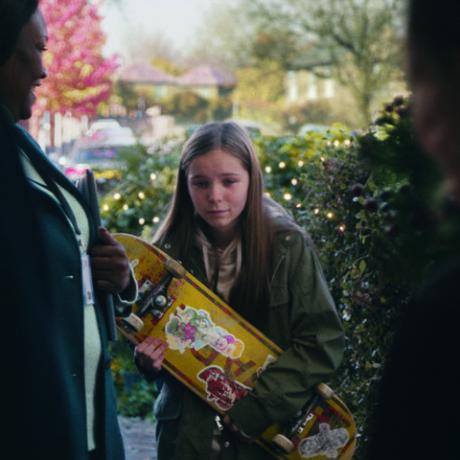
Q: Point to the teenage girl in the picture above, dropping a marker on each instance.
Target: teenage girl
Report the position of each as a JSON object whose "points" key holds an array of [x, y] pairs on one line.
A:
{"points": [[250, 252]]}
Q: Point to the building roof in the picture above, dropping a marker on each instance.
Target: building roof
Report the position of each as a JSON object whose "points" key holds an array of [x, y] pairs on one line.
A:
{"points": [[206, 76], [310, 58], [144, 73]]}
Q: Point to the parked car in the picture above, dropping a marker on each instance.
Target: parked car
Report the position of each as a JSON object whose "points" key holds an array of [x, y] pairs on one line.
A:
{"points": [[103, 124], [100, 151]]}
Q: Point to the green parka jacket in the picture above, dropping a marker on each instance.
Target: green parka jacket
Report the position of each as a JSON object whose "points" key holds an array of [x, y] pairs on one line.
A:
{"points": [[302, 320]]}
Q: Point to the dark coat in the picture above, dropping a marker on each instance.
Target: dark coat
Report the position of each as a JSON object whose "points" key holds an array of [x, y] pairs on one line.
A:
{"points": [[417, 409], [303, 321], [54, 417], [33, 393]]}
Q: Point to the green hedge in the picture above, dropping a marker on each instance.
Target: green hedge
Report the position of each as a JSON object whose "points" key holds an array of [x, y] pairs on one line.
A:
{"points": [[139, 201], [373, 205]]}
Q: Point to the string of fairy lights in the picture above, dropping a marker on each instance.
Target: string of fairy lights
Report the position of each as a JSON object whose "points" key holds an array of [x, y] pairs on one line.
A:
{"points": [[141, 195], [287, 196]]}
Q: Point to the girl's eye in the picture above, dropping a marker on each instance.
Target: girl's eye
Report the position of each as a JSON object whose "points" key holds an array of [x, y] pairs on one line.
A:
{"points": [[200, 184], [229, 182]]}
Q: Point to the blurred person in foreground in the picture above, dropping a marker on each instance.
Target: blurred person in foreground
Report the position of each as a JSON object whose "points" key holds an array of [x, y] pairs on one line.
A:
{"points": [[64, 400], [417, 413]]}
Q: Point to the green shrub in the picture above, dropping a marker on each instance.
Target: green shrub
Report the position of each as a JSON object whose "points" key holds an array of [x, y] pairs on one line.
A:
{"points": [[140, 200], [134, 394]]}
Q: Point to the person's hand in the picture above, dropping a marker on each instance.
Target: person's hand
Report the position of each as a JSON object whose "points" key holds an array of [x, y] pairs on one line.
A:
{"points": [[234, 429], [109, 264], [150, 353]]}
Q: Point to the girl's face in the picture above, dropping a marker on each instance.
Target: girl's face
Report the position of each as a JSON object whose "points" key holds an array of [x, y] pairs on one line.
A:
{"points": [[218, 186]]}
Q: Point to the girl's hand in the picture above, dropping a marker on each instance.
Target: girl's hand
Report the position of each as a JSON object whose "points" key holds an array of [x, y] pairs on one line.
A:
{"points": [[150, 353], [109, 264]]}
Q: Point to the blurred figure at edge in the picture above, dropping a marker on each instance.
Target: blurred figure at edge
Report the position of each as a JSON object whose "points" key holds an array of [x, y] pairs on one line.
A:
{"points": [[417, 415], [59, 395]]}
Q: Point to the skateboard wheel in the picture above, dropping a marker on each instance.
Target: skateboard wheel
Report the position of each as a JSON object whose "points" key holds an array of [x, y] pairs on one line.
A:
{"points": [[134, 322], [325, 391], [175, 268], [284, 443]]}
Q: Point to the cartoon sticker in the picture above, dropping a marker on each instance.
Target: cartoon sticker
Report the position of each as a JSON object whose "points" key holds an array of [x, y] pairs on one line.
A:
{"points": [[326, 442], [188, 327], [221, 390]]}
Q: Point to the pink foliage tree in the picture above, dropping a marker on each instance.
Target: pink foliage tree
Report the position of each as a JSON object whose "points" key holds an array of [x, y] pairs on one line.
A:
{"points": [[79, 76]]}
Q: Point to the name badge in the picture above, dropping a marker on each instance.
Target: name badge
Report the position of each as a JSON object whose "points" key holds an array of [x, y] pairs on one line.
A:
{"points": [[88, 291]]}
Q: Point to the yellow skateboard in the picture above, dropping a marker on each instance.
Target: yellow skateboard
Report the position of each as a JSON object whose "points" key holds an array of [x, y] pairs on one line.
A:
{"points": [[218, 355]]}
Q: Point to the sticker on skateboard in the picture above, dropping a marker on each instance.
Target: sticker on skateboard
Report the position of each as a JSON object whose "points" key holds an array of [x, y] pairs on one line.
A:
{"points": [[189, 327], [221, 390], [327, 442]]}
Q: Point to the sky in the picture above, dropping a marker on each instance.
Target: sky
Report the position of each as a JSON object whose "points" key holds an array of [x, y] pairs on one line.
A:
{"points": [[177, 20]]}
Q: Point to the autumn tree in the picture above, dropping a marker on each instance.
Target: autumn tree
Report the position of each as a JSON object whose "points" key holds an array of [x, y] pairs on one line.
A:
{"points": [[79, 76], [359, 41], [260, 91], [225, 40], [224, 37]]}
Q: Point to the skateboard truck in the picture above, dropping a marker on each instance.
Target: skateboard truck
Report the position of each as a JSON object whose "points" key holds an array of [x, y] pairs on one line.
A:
{"points": [[155, 298], [283, 442]]}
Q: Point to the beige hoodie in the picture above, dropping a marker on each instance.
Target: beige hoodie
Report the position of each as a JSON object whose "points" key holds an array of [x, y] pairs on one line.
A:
{"points": [[222, 265]]}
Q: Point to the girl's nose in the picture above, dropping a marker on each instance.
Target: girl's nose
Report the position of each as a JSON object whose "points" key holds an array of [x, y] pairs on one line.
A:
{"points": [[215, 193]]}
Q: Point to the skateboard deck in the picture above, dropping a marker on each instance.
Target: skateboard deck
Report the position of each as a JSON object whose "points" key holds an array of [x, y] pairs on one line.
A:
{"points": [[218, 355]]}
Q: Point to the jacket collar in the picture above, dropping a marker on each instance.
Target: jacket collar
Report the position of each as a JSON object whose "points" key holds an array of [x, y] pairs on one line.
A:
{"points": [[43, 165], [38, 158]]}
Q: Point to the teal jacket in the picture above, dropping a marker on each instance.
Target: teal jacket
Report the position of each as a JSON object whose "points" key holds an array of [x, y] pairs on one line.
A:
{"points": [[34, 396], [64, 323], [302, 320]]}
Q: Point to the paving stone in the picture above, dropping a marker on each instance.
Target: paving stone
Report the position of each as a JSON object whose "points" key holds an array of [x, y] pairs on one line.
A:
{"points": [[138, 437]]}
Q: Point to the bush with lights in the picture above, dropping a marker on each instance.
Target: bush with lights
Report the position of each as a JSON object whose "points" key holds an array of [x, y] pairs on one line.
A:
{"points": [[138, 202], [372, 204]]}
